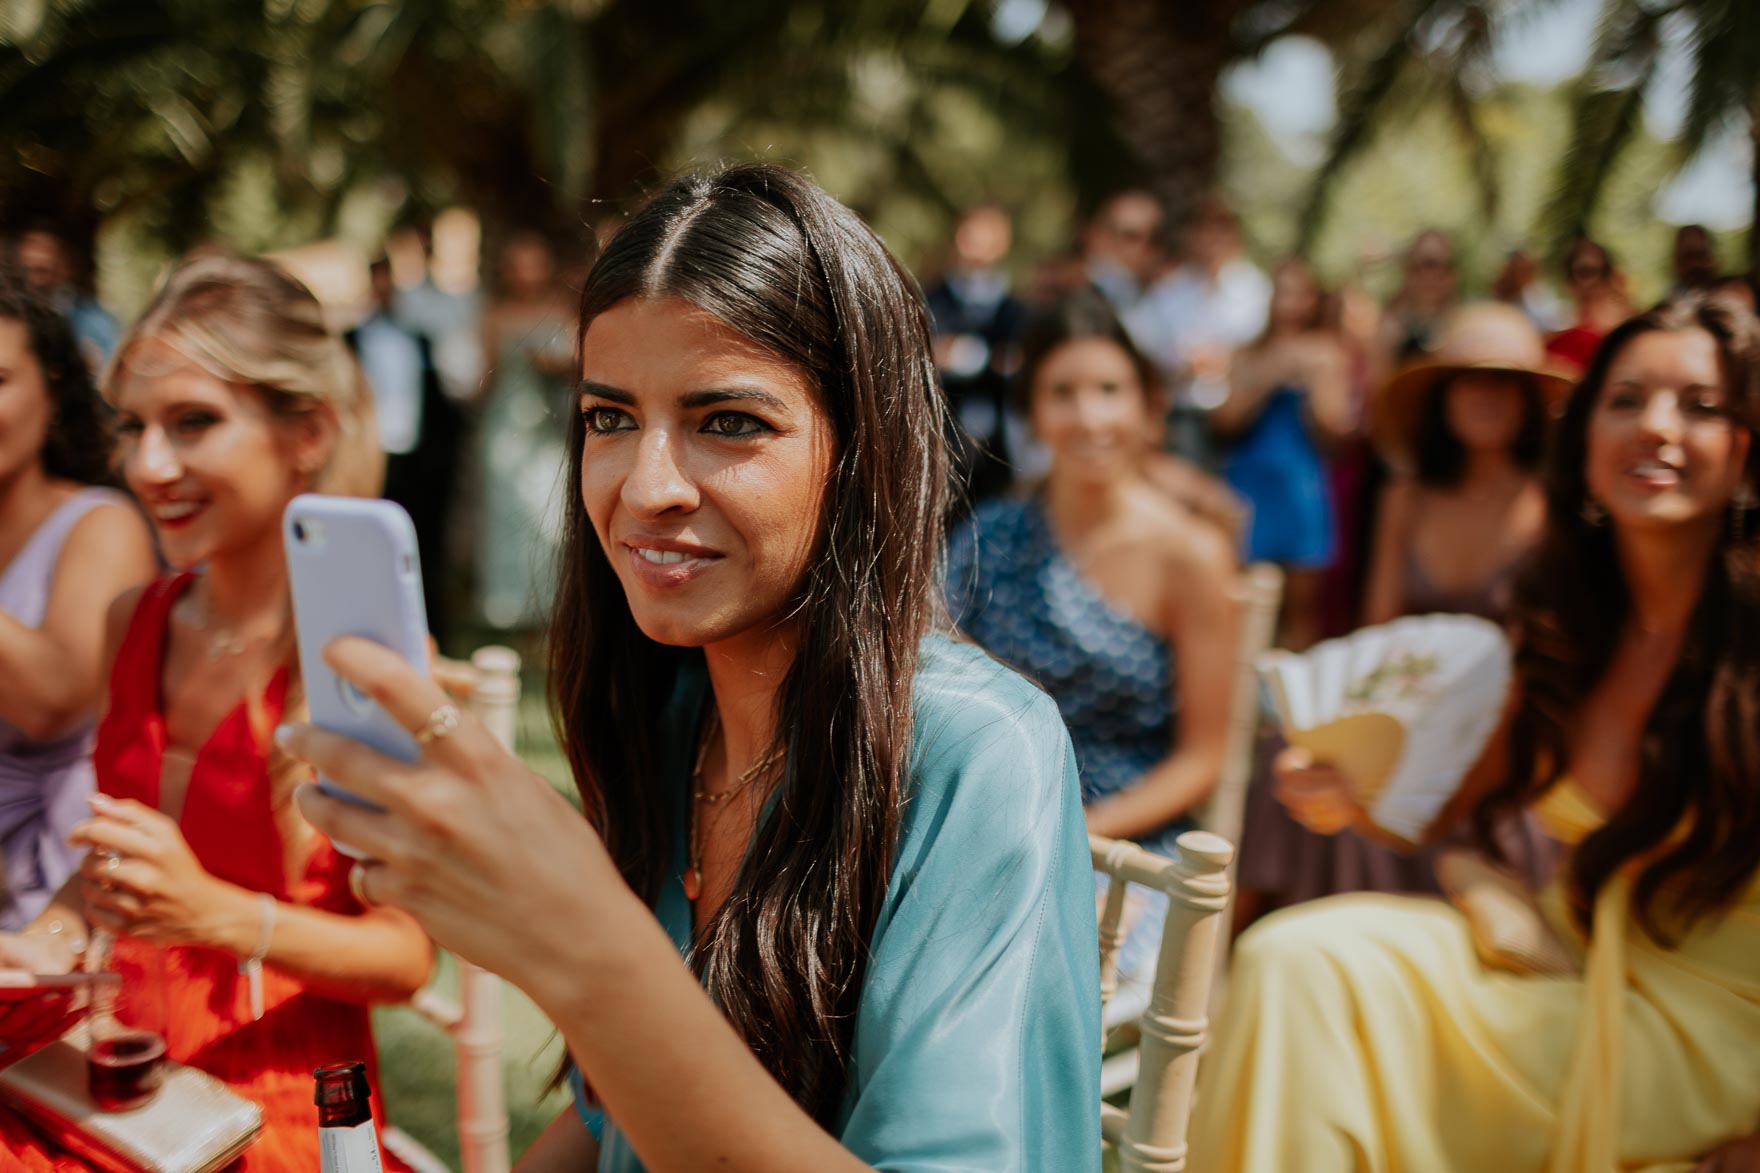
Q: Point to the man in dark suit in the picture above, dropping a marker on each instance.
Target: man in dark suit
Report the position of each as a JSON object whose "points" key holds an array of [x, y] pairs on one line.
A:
{"points": [[976, 321], [419, 429]]}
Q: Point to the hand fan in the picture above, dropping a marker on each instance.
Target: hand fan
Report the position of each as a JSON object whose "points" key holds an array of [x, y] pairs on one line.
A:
{"points": [[1402, 709]]}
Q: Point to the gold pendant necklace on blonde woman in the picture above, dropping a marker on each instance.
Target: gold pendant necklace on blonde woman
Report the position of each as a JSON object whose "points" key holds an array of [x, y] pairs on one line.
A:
{"points": [[223, 643], [693, 875]]}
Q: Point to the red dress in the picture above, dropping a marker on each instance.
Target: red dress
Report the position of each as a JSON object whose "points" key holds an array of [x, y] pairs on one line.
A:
{"points": [[228, 821], [1575, 347]]}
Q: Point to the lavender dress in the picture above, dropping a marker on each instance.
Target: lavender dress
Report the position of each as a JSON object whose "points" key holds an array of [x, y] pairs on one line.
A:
{"points": [[43, 784]]}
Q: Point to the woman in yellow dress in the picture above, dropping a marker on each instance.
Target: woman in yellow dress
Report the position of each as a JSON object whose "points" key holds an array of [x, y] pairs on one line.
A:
{"points": [[1364, 1032]]}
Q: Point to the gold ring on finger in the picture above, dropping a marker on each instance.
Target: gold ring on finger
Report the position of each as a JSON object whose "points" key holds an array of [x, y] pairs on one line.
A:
{"points": [[441, 723]]}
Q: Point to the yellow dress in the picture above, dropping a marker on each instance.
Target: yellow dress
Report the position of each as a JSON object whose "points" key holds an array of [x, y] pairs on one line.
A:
{"points": [[1361, 1032]]}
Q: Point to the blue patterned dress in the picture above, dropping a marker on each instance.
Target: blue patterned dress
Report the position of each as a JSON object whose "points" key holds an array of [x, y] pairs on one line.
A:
{"points": [[1012, 590]]}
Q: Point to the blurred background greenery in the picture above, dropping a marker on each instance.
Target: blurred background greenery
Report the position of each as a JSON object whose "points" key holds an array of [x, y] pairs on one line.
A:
{"points": [[143, 129]]}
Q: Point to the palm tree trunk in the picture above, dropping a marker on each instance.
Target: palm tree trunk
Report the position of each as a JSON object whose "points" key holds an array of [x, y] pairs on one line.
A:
{"points": [[1158, 64]]}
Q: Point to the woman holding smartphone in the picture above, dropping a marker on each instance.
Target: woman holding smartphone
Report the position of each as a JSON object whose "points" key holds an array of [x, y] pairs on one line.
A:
{"points": [[228, 909], [865, 839]]}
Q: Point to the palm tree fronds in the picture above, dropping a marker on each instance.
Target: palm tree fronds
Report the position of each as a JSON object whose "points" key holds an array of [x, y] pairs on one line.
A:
{"points": [[1359, 114], [1725, 51], [1464, 112], [1607, 110]]}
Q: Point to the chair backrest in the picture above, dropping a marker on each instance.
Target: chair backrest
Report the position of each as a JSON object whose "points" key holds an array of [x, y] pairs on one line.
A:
{"points": [[472, 1015], [1151, 1136], [1259, 591]]}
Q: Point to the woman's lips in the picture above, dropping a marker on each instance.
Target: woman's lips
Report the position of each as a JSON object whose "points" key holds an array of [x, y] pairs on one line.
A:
{"points": [[1654, 476], [671, 564], [173, 515]]}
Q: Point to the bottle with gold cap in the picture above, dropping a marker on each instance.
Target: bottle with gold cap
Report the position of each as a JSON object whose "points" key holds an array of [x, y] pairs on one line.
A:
{"points": [[347, 1141]]}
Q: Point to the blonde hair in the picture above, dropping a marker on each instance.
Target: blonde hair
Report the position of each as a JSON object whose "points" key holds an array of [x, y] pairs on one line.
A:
{"points": [[248, 321]]}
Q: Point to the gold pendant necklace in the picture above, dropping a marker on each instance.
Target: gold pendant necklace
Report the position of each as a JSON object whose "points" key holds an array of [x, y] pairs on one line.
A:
{"points": [[693, 875], [223, 643]]}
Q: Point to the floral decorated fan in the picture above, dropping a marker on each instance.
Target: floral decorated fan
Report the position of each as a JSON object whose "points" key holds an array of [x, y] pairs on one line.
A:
{"points": [[1402, 709]]}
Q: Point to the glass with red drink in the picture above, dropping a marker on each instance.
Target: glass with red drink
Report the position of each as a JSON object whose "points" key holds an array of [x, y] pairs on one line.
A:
{"points": [[125, 1056], [124, 1068]]}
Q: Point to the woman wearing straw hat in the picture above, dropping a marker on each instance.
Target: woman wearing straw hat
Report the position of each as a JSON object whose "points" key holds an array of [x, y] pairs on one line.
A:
{"points": [[1464, 432]]}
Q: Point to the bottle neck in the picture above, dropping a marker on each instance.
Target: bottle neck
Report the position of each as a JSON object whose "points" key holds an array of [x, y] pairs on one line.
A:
{"points": [[343, 1115], [343, 1096], [347, 1141]]}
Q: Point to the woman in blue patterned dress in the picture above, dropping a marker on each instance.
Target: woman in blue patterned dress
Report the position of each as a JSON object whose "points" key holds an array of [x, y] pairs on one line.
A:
{"points": [[1100, 588]]}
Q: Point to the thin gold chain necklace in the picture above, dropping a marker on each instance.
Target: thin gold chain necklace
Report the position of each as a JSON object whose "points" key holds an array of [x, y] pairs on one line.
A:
{"points": [[693, 876], [223, 643]]}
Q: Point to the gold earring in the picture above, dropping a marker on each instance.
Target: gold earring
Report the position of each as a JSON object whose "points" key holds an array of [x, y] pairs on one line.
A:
{"points": [[1740, 505]]}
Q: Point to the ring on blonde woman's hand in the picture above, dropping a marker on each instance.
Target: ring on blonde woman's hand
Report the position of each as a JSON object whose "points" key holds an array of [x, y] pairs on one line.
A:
{"points": [[441, 722], [357, 884]]}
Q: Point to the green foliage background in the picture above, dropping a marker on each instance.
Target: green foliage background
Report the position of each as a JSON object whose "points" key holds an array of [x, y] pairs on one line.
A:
{"points": [[147, 128]]}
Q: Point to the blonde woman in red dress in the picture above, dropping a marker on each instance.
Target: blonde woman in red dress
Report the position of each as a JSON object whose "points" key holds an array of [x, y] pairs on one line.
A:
{"points": [[227, 908]]}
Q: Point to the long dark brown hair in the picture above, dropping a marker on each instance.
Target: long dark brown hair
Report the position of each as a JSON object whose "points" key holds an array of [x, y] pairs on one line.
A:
{"points": [[781, 262], [1442, 458], [1699, 770], [77, 446]]}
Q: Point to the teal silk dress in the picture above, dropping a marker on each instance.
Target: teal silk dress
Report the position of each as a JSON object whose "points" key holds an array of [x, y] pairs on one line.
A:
{"points": [[977, 1040]]}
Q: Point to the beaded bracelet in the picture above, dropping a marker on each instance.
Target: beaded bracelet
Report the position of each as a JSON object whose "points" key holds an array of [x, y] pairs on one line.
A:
{"points": [[251, 968]]}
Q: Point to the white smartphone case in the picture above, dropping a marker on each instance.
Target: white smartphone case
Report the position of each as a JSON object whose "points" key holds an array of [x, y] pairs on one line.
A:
{"points": [[354, 571]]}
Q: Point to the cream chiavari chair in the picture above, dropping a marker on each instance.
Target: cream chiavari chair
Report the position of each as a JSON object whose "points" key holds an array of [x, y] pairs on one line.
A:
{"points": [[472, 1012], [1150, 1136]]}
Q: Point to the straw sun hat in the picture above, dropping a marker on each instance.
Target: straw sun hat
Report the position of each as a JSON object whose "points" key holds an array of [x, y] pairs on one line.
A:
{"points": [[1488, 336]]}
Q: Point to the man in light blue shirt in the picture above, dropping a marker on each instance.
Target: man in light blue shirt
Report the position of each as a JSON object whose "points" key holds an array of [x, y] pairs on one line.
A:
{"points": [[43, 256], [419, 428]]}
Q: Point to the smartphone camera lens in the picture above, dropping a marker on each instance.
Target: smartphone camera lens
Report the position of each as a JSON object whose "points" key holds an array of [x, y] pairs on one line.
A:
{"points": [[299, 531]]}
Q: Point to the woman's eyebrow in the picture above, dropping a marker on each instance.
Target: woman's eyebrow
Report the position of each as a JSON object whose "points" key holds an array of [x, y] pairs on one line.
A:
{"points": [[709, 397], [604, 391]]}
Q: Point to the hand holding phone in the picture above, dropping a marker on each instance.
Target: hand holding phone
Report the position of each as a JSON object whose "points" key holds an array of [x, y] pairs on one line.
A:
{"points": [[354, 571]]}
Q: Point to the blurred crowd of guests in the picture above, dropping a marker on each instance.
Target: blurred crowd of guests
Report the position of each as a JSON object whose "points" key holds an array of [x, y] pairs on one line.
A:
{"points": [[1138, 416], [1264, 384], [1136, 420], [1270, 384], [1144, 415]]}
